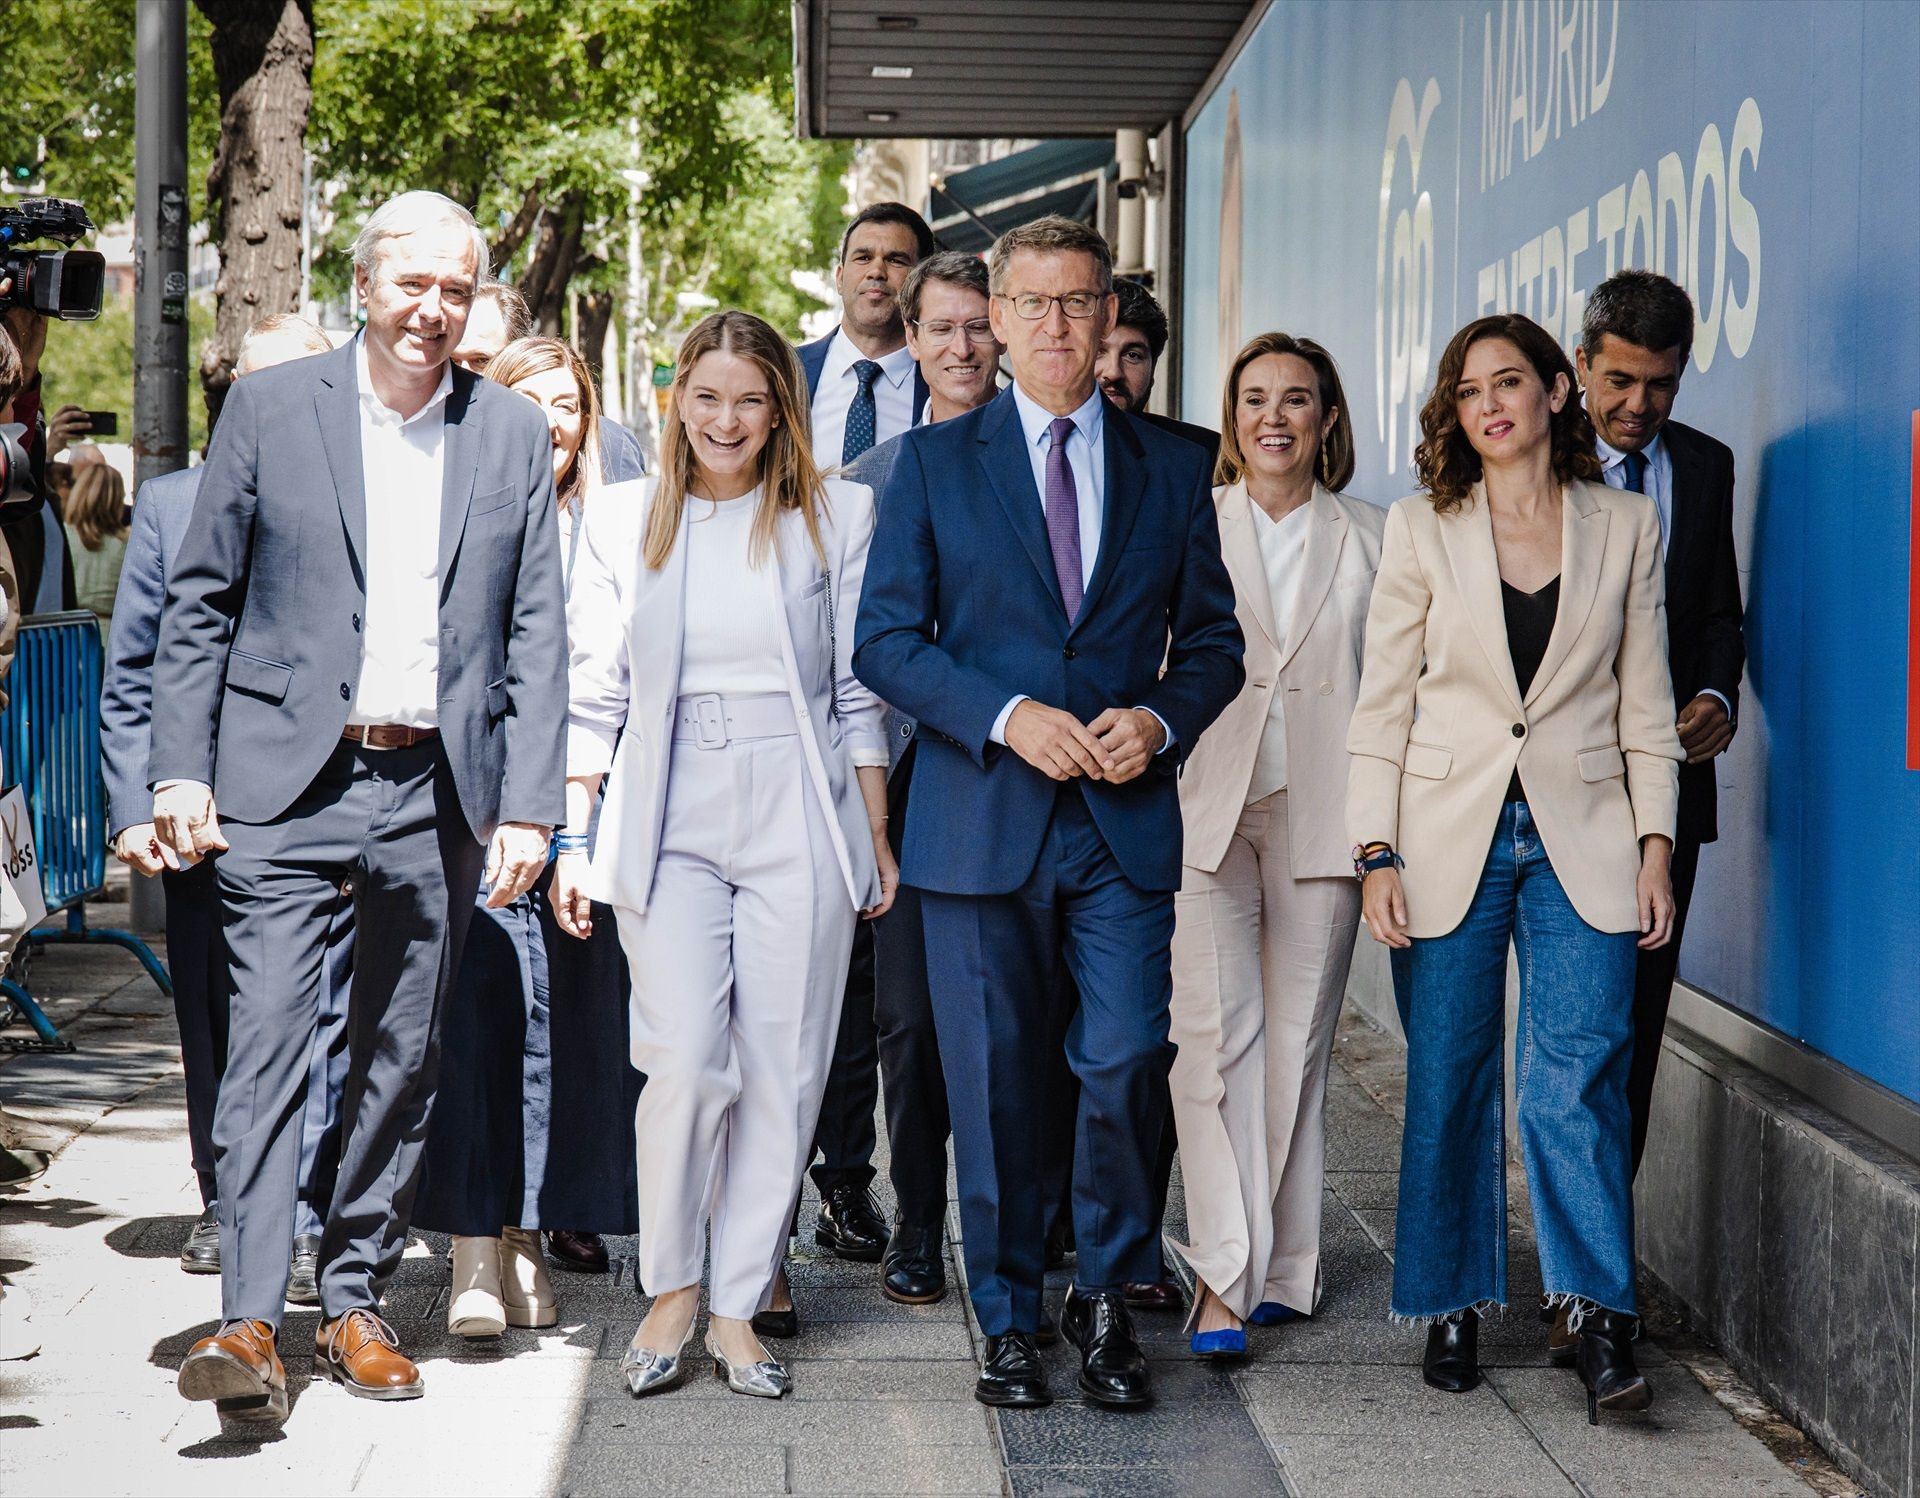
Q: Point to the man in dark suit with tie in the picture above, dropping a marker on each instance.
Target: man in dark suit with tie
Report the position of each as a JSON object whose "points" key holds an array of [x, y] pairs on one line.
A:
{"points": [[866, 389], [1635, 340], [196, 946], [1036, 564], [363, 665]]}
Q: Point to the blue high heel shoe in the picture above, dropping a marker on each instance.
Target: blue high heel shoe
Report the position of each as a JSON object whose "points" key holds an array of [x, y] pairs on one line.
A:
{"points": [[1272, 1313], [1228, 1343]]}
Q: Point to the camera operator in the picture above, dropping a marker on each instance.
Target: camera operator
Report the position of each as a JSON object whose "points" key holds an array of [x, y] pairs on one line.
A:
{"points": [[10, 378], [34, 535]]}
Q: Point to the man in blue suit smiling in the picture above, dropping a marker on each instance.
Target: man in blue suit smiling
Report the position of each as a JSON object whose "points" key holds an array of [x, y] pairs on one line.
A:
{"points": [[1037, 563]]}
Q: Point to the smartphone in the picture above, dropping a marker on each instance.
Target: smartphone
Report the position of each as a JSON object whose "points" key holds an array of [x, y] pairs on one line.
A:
{"points": [[103, 423]]}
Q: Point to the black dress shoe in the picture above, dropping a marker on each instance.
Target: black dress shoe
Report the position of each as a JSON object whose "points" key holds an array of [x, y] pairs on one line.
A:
{"points": [[849, 1225], [1060, 1244], [1604, 1361], [914, 1271], [303, 1272], [1452, 1363], [202, 1253], [1113, 1370], [581, 1252], [780, 1324], [1012, 1377]]}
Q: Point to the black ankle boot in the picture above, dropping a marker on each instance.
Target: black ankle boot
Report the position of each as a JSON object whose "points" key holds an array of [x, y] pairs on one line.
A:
{"points": [[1604, 1361], [1452, 1362]]}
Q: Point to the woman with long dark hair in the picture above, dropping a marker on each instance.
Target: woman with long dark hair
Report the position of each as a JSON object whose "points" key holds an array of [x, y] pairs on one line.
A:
{"points": [[745, 826], [1515, 779]]}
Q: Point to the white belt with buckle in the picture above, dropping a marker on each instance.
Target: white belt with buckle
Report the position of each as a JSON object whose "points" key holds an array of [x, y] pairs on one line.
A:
{"points": [[712, 721]]}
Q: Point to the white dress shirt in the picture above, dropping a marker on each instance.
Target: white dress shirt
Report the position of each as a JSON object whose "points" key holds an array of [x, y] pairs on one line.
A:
{"points": [[732, 641], [833, 395], [402, 463], [1283, 552], [1087, 455]]}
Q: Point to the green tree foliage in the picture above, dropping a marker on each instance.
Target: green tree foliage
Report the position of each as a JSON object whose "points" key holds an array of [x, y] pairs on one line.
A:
{"points": [[90, 365]]}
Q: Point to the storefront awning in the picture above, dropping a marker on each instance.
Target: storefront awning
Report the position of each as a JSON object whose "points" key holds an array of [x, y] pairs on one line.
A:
{"points": [[971, 207]]}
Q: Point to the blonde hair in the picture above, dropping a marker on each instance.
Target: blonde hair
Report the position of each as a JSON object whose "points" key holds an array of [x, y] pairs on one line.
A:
{"points": [[96, 505], [526, 357], [789, 478]]}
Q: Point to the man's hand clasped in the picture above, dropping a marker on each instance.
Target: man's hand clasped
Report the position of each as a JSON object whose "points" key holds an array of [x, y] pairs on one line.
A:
{"points": [[515, 856], [185, 825], [1115, 747], [1705, 728]]}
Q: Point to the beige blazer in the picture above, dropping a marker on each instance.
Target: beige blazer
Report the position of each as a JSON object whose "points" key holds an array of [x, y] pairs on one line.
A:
{"points": [[1314, 658], [627, 624], [1440, 724]]}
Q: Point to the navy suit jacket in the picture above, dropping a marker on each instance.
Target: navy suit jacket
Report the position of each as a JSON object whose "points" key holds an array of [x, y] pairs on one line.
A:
{"points": [[260, 642], [961, 611], [161, 511], [813, 359]]}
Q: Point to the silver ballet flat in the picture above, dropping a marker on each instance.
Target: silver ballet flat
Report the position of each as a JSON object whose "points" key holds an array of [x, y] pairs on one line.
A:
{"points": [[650, 1372], [768, 1380]]}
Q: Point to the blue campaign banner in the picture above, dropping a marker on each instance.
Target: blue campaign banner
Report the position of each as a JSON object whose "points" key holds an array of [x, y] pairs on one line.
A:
{"points": [[1374, 175]]}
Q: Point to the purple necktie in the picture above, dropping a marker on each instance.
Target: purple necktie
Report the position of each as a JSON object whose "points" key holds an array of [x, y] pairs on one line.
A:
{"points": [[1063, 517]]}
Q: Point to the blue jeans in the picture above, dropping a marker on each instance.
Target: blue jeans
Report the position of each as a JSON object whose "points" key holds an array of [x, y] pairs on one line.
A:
{"points": [[1573, 1051]]}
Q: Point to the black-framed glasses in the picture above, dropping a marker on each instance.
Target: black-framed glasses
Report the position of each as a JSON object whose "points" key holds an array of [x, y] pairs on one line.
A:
{"points": [[979, 329], [1034, 305]]}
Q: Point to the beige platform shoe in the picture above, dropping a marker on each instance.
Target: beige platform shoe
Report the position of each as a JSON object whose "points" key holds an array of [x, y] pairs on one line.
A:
{"points": [[476, 1308], [525, 1286]]}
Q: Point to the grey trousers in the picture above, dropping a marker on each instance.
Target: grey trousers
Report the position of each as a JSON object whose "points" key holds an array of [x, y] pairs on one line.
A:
{"points": [[389, 821]]}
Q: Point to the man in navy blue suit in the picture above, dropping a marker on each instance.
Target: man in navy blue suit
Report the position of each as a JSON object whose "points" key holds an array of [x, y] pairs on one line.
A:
{"points": [[1045, 596], [865, 388], [196, 947]]}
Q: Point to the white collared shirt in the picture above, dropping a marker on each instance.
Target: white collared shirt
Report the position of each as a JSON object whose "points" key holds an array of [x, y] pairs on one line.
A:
{"points": [[1283, 553], [838, 384], [1657, 484], [402, 466]]}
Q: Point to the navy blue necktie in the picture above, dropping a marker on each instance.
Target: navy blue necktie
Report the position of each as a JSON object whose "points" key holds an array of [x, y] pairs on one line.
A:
{"points": [[1634, 467], [860, 416]]}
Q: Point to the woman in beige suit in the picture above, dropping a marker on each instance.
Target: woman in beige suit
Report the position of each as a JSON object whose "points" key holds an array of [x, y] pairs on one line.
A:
{"points": [[1267, 913], [1515, 775]]}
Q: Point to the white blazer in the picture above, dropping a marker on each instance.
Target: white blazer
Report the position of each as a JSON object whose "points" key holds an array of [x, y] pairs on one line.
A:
{"points": [[627, 625], [1314, 658]]}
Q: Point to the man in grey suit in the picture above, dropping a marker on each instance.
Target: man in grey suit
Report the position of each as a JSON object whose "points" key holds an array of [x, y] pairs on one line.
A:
{"points": [[944, 304], [196, 947], [363, 666]]}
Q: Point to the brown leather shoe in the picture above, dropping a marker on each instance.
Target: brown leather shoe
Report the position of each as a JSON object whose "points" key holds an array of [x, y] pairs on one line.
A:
{"points": [[360, 1352], [238, 1368], [1563, 1345], [1153, 1295], [584, 1253]]}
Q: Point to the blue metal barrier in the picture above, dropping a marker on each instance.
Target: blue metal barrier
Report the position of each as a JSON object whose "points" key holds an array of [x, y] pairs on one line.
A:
{"points": [[50, 740]]}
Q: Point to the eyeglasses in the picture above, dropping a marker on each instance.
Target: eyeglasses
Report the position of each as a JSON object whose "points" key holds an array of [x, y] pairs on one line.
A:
{"points": [[978, 329], [1034, 305]]}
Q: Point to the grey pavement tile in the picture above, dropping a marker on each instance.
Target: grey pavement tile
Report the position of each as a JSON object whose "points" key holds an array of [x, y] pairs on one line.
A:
{"points": [[1364, 1401], [843, 1423], [1366, 1188], [421, 1470], [1507, 1465], [1206, 1481], [857, 1339], [892, 1470], [819, 1306], [1169, 1434], [826, 1380], [1685, 1446], [642, 1467]]}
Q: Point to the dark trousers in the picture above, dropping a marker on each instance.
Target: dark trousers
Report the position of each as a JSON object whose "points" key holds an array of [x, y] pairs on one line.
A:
{"points": [[1652, 992], [390, 822], [992, 961], [197, 963], [844, 1136]]}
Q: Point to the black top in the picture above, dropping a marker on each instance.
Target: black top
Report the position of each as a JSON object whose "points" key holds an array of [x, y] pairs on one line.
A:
{"points": [[1529, 625]]}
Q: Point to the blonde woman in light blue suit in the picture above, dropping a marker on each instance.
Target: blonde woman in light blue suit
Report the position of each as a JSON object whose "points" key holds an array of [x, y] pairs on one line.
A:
{"points": [[744, 829]]}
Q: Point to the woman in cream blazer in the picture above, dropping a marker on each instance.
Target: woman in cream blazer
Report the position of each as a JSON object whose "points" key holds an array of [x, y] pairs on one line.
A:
{"points": [[744, 827], [1515, 775], [1267, 911]]}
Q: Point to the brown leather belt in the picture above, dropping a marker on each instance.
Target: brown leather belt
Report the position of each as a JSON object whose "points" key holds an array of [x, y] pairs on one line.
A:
{"points": [[387, 735]]}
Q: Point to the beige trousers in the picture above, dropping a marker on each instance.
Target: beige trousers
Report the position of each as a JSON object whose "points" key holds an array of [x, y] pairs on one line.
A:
{"points": [[1260, 965]]}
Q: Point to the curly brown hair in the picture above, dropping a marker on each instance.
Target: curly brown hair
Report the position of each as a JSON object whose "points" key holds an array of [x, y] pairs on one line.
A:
{"points": [[1445, 461]]}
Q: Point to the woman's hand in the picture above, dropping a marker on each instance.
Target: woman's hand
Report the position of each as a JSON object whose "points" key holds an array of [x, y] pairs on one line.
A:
{"points": [[1654, 894], [889, 874], [568, 895], [1383, 904]]}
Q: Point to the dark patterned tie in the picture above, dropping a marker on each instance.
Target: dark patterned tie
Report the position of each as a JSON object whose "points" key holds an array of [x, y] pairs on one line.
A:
{"points": [[1634, 467], [1063, 517], [860, 417]]}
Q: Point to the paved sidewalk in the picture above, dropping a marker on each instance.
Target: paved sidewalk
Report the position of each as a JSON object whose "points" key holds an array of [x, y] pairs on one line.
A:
{"points": [[1334, 1406]]}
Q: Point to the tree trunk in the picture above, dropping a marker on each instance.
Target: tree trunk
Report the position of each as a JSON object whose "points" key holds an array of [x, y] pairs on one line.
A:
{"points": [[592, 316], [550, 266], [263, 63]]}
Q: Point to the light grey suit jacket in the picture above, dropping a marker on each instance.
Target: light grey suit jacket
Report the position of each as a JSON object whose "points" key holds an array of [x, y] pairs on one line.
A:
{"points": [[260, 640]]}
